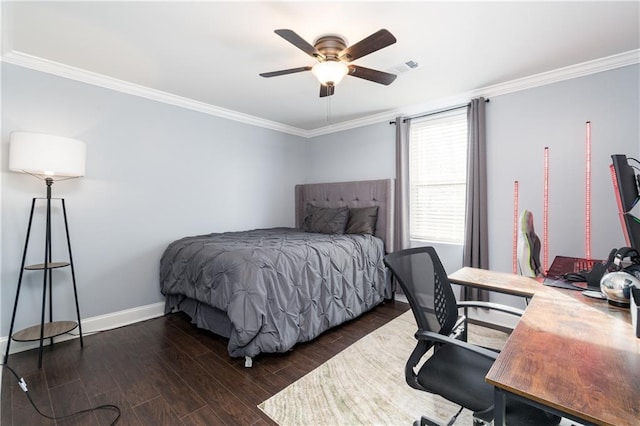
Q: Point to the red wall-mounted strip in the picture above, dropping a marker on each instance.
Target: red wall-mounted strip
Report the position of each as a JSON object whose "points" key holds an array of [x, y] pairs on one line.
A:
{"points": [[515, 227], [587, 197], [545, 213]]}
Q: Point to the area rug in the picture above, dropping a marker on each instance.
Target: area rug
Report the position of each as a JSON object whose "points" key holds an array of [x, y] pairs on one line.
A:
{"points": [[364, 384]]}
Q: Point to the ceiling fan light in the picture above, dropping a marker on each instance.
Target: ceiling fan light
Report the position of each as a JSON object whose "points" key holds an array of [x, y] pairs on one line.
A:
{"points": [[330, 73]]}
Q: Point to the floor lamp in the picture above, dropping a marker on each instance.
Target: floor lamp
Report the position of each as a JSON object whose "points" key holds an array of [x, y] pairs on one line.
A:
{"points": [[49, 158]]}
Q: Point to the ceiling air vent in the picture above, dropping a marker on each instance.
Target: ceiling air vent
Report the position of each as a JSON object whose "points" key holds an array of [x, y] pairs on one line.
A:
{"points": [[405, 67]]}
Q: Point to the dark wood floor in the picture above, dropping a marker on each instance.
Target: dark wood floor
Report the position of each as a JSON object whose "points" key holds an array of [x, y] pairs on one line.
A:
{"points": [[166, 372]]}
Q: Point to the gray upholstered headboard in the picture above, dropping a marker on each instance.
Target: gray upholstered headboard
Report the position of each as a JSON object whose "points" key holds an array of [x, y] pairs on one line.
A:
{"points": [[363, 193]]}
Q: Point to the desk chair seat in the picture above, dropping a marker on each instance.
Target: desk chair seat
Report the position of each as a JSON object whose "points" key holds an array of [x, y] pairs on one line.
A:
{"points": [[455, 369], [443, 374]]}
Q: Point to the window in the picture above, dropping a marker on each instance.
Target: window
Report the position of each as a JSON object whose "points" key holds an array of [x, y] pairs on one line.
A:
{"points": [[437, 177]]}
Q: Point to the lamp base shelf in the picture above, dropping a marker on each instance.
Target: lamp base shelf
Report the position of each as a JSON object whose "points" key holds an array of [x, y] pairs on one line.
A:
{"points": [[51, 329], [50, 265]]}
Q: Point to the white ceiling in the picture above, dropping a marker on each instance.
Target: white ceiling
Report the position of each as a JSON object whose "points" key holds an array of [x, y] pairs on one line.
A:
{"points": [[208, 55]]}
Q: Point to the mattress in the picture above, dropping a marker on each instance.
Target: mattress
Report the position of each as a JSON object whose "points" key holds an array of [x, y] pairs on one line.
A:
{"points": [[276, 286]]}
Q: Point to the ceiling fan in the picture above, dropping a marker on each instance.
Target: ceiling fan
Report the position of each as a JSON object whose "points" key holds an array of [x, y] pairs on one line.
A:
{"points": [[334, 58]]}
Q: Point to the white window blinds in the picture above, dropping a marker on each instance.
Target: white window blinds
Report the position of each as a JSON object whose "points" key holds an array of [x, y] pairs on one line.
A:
{"points": [[437, 176]]}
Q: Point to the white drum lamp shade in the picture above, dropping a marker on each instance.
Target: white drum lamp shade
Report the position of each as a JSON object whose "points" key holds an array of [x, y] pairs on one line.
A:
{"points": [[46, 155]]}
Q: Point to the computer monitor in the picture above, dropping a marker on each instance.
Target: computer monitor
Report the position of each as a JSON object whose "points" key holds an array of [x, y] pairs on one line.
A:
{"points": [[626, 189], [632, 229], [627, 183]]}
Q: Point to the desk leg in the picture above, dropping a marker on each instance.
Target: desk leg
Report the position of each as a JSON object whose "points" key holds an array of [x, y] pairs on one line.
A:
{"points": [[499, 405], [465, 334]]}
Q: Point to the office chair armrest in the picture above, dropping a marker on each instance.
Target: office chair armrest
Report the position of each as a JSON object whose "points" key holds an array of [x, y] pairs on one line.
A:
{"points": [[493, 306], [436, 337]]}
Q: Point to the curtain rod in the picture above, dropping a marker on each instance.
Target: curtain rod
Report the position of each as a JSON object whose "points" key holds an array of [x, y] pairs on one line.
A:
{"points": [[435, 112]]}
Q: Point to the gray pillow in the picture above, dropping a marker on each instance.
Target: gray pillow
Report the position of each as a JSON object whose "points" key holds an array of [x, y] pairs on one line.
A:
{"points": [[325, 220], [362, 220]]}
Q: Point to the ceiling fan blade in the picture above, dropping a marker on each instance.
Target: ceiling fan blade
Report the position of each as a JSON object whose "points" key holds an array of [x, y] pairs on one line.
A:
{"points": [[372, 75], [326, 90], [375, 41], [299, 42], [284, 72]]}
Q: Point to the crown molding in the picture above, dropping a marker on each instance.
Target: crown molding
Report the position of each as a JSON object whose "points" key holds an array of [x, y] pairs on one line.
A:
{"points": [[566, 73], [66, 71], [621, 60]]}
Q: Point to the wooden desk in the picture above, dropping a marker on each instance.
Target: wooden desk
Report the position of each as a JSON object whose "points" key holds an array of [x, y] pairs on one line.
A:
{"points": [[496, 281], [576, 355]]}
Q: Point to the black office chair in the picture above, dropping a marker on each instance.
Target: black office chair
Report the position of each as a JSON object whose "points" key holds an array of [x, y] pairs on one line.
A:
{"points": [[456, 369]]}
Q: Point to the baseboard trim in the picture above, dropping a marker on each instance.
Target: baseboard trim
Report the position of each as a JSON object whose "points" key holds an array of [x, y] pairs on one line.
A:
{"points": [[95, 324]]}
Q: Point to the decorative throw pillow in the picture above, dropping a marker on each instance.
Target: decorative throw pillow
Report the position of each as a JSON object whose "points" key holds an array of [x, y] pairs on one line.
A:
{"points": [[362, 220], [325, 220]]}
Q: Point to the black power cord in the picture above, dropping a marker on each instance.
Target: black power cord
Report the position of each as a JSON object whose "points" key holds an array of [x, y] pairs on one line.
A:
{"points": [[23, 386]]}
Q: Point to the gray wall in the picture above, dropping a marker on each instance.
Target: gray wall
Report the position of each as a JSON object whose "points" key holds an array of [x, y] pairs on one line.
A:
{"points": [[155, 173], [519, 126], [363, 153]]}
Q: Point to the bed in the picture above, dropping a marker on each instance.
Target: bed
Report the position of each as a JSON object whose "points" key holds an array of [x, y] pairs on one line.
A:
{"points": [[268, 289]]}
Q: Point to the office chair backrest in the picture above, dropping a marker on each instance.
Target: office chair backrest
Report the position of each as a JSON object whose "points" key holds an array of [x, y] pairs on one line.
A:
{"points": [[424, 281]]}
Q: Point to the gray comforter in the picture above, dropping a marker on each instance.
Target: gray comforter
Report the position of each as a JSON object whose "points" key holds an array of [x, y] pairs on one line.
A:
{"points": [[278, 286]]}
